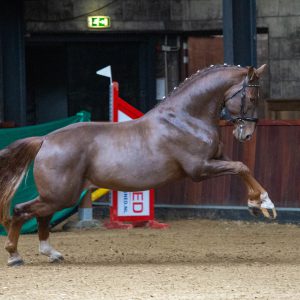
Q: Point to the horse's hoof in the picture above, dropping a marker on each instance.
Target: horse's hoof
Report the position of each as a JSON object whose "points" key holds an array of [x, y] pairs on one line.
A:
{"points": [[254, 211], [15, 262], [267, 206], [269, 213], [56, 259]]}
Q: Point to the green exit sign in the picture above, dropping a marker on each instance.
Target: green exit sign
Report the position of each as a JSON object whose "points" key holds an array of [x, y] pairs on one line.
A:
{"points": [[98, 21]]}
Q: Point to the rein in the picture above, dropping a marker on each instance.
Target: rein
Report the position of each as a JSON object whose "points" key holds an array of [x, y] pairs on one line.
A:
{"points": [[242, 116]]}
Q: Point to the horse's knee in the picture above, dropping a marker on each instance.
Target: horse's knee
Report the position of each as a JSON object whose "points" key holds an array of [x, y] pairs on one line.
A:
{"points": [[242, 168]]}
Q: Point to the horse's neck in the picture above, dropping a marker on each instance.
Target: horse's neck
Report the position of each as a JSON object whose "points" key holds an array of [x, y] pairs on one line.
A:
{"points": [[204, 96]]}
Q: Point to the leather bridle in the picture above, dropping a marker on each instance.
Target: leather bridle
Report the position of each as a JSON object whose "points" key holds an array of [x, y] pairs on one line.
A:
{"points": [[243, 114]]}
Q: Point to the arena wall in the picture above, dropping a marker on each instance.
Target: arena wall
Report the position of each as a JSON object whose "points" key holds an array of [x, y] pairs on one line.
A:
{"points": [[281, 19]]}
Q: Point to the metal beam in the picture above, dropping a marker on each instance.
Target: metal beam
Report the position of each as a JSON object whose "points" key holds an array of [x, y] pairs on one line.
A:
{"points": [[13, 61], [239, 31]]}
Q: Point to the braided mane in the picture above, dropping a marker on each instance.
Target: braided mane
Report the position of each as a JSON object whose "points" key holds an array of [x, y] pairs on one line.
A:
{"points": [[201, 73]]}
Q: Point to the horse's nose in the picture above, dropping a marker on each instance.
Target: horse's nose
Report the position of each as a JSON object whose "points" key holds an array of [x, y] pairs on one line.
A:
{"points": [[248, 137]]}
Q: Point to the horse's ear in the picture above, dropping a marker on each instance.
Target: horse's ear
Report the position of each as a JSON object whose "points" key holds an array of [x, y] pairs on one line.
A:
{"points": [[251, 73], [261, 70]]}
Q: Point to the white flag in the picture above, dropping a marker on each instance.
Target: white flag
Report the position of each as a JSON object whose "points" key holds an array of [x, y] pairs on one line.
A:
{"points": [[105, 72]]}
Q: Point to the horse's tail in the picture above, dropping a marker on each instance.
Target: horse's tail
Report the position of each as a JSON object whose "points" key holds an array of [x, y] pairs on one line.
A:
{"points": [[14, 162]]}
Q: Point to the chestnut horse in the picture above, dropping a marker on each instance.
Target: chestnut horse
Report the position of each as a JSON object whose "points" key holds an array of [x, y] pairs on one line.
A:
{"points": [[178, 138]]}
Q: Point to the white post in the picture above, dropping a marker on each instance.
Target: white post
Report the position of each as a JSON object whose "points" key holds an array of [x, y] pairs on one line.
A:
{"points": [[106, 72]]}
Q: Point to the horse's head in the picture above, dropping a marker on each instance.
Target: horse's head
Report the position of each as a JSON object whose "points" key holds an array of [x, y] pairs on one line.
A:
{"points": [[241, 103]]}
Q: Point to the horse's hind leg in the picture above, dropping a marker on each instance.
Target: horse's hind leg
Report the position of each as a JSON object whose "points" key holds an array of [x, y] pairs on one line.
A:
{"points": [[45, 248], [23, 212], [13, 233]]}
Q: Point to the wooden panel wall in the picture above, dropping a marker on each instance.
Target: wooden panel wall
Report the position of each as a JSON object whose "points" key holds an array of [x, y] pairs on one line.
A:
{"points": [[273, 155], [283, 109], [204, 51]]}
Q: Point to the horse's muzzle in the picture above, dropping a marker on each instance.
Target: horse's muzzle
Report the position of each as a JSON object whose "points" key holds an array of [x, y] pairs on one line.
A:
{"points": [[243, 131]]}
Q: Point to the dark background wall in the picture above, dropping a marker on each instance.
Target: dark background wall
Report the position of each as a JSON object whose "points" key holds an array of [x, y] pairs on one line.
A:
{"points": [[159, 23], [279, 17]]}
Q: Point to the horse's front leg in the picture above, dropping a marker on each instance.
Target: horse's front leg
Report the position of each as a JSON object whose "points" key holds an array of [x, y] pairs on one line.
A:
{"points": [[258, 196], [258, 201]]}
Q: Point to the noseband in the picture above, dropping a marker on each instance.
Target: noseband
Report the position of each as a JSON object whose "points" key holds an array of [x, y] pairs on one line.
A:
{"points": [[243, 117]]}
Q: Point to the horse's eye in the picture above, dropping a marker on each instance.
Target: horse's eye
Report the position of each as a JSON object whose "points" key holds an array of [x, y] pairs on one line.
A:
{"points": [[252, 100]]}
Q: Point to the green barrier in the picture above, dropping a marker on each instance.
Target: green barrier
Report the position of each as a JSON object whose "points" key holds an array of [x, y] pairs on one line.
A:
{"points": [[27, 190]]}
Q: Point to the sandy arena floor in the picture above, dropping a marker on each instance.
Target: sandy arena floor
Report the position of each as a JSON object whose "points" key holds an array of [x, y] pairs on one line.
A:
{"points": [[193, 259]]}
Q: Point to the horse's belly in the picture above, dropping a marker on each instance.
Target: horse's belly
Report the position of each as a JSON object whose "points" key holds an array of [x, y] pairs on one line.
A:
{"points": [[133, 174]]}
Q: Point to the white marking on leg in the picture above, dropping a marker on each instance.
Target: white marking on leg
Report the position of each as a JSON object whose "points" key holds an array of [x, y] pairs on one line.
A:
{"points": [[48, 250], [15, 259], [266, 201]]}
